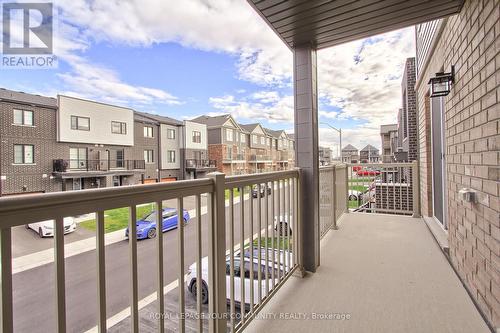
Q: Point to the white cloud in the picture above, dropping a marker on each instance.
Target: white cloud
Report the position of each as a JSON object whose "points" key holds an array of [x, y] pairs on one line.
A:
{"points": [[264, 105]]}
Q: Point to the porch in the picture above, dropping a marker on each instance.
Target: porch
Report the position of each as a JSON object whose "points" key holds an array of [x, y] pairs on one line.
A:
{"points": [[385, 272]]}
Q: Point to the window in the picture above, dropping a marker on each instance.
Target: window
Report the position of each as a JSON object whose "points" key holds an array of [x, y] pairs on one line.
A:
{"points": [[148, 156], [262, 140], [170, 134], [23, 154], [148, 131], [196, 137], [78, 158], [118, 127], [229, 135], [23, 117], [242, 137], [80, 123], [171, 156], [229, 152], [254, 139], [268, 142]]}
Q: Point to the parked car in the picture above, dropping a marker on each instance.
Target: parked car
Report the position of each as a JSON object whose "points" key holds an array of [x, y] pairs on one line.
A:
{"points": [[357, 168], [146, 227], [355, 195], [263, 266], [368, 172], [46, 228], [263, 187]]}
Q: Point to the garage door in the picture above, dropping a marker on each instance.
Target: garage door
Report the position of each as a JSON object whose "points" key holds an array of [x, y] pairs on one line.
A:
{"points": [[149, 181], [169, 179]]}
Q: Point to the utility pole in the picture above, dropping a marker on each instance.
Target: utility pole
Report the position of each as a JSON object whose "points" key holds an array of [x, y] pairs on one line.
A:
{"points": [[339, 130]]}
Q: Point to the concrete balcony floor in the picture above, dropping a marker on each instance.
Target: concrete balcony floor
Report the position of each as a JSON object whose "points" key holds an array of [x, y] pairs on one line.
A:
{"points": [[387, 273]]}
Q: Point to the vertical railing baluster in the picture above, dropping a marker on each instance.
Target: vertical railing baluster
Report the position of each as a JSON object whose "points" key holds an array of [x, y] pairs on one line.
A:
{"points": [[288, 223], [231, 255], [266, 236], [134, 289], [159, 266], [7, 316], [259, 245], [242, 254], [199, 286], [60, 274], [280, 229], [180, 244], [101, 271], [251, 251], [275, 223], [415, 186]]}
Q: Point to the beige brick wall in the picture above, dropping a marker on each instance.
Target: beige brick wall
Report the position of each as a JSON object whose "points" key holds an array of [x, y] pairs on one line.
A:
{"points": [[471, 42]]}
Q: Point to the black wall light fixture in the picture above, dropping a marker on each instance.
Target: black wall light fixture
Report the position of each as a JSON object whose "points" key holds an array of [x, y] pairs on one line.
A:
{"points": [[441, 83]]}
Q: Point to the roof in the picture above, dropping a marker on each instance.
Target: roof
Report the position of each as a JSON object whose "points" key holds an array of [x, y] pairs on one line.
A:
{"points": [[25, 98], [139, 117], [274, 133], [212, 121], [369, 148], [324, 24], [249, 127], [388, 128], [160, 119], [349, 148]]}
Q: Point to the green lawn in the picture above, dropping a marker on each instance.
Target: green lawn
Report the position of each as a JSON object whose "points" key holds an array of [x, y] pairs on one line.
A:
{"points": [[236, 193], [359, 188], [116, 219], [353, 204], [283, 244]]}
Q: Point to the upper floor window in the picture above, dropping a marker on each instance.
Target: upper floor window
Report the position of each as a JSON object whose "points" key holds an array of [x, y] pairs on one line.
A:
{"points": [[148, 131], [268, 141], [23, 154], [229, 135], [170, 133], [78, 158], [242, 137], [171, 156], [149, 156], [262, 140], [196, 136], [118, 127], [254, 139], [80, 123], [23, 117]]}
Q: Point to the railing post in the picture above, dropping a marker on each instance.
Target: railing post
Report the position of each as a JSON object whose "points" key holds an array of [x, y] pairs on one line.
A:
{"points": [[346, 188], [217, 256], [6, 313], [415, 186], [334, 197]]}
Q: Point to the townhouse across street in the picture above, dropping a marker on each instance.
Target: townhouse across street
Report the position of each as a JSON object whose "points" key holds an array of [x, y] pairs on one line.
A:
{"points": [[66, 143]]}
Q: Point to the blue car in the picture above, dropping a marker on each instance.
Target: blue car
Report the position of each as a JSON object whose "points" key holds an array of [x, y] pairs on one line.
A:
{"points": [[146, 227]]}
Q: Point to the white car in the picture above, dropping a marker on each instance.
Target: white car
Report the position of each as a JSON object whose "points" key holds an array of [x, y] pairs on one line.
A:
{"points": [[283, 227], [46, 228], [191, 280]]}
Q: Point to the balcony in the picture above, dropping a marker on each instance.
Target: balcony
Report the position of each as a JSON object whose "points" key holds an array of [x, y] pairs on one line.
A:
{"points": [[381, 270], [234, 158], [260, 159], [96, 166], [194, 164]]}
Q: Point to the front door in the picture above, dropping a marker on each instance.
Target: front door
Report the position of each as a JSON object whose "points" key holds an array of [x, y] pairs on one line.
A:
{"points": [[438, 160]]}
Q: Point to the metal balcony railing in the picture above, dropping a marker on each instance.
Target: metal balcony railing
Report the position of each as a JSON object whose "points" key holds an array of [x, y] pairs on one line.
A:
{"points": [[61, 165], [199, 164], [246, 238], [384, 188], [260, 158], [234, 157], [332, 199]]}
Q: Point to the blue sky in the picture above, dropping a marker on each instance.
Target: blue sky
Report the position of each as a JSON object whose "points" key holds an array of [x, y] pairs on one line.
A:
{"points": [[212, 57]]}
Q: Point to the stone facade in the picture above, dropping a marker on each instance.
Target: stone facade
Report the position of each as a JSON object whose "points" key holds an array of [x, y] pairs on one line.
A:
{"points": [[471, 42]]}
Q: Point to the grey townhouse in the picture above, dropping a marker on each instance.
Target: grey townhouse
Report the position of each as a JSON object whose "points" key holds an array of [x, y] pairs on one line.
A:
{"points": [[66, 143]]}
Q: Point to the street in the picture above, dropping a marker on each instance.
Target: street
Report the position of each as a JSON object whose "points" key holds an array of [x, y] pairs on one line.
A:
{"points": [[34, 302]]}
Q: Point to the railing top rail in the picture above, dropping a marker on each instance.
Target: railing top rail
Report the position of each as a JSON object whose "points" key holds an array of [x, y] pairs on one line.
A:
{"points": [[246, 180], [382, 165], [19, 210]]}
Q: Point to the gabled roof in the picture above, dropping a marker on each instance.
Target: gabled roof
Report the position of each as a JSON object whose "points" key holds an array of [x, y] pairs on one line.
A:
{"points": [[369, 148], [275, 133], [251, 127], [141, 118], [216, 121], [349, 148], [160, 119]]}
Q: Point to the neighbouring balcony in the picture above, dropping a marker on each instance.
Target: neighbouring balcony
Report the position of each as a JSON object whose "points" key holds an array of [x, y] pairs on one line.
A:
{"points": [[79, 165], [201, 164], [254, 158], [234, 158]]}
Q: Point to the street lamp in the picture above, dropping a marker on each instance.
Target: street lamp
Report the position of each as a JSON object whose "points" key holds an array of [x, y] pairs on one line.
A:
{"points": [[340, 134]]}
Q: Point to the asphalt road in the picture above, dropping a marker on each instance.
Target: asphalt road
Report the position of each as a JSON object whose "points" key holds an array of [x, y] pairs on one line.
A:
{"points": [[34, 301]]}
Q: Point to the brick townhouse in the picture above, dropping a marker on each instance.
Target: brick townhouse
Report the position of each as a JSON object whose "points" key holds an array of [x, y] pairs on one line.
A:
{"points": [[249, 148], [50, 144], [459, 142], [350, 154]]}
